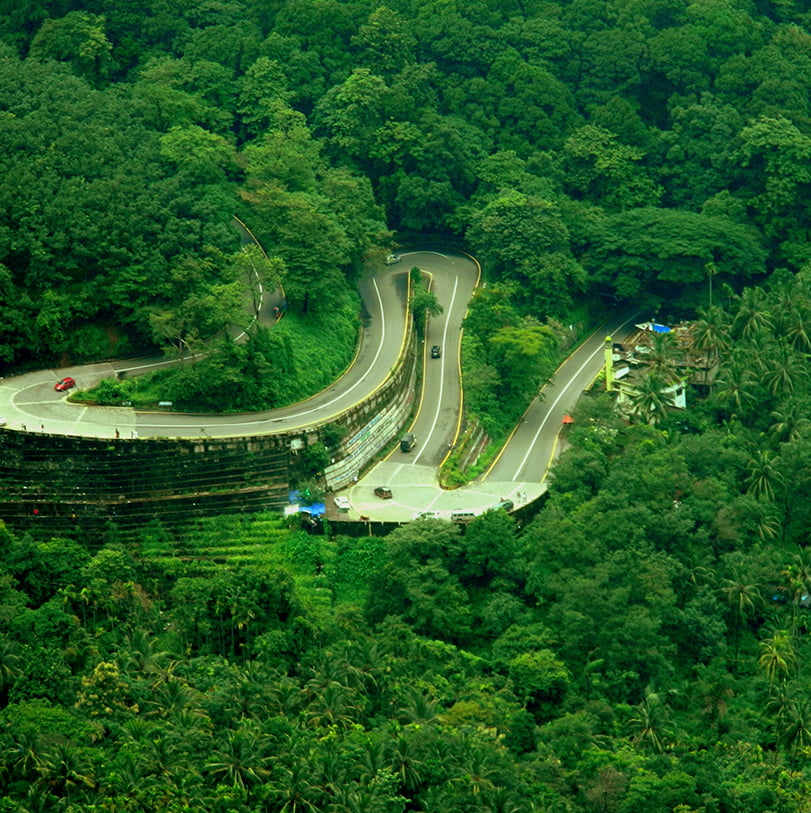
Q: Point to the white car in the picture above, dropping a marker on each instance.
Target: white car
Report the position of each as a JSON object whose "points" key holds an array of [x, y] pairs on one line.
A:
{"points": [[427, 515], [392, 259], [342, 503]]}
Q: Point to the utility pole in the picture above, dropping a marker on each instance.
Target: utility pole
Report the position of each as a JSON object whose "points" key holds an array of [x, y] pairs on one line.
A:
{"points": [[609, 364]]}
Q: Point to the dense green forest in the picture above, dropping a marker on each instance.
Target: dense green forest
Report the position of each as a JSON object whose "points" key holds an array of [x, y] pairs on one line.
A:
{"points": [[624, 149], [638, 645]]}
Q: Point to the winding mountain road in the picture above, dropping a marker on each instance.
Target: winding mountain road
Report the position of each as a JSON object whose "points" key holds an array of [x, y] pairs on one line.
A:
{"points": [[29, 402]]}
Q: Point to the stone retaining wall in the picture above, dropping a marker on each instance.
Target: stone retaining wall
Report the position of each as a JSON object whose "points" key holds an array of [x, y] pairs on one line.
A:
{"points": [[54, 484]]}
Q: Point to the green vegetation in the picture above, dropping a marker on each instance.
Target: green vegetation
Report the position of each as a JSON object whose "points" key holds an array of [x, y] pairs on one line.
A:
{"points": [[507, 357], [637, 646], [423, 301], [279, 365]]}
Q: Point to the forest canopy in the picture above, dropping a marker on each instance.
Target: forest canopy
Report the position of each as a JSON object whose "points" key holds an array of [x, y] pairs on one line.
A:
{"points": [[581, 149], [639, 644]]}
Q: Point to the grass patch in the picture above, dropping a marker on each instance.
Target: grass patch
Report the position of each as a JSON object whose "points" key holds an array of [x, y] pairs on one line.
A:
{"points": [[325, 570], [294, 359]]}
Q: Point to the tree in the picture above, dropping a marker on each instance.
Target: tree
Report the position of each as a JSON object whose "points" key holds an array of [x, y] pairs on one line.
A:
{"points": [[240, 761], [777, 655], [350, 113], [752, 316], [65, 768], [540, 680], [649, 255], [418, 583], [599, 168], [775, 161], [294, 789], [711, 335], [423, 302], [523, 238], [650, 723], [9, 666], [79, 39], [385, 42], [300, 228], [784, 371], [736, 388], [763, 476], [525, 356], [793, 722], [199, 155], [653, 398], [743, 601]]}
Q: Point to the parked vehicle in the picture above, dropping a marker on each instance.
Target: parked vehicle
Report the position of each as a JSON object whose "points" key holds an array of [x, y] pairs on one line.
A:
{"points": [[383, 492], [463, 516]]}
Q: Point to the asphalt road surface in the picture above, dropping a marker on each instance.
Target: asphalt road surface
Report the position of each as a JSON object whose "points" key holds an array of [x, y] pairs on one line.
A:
{"points": [[29, 401]]}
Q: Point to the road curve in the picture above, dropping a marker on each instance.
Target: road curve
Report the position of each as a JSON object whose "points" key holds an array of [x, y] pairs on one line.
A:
{"points": [[519, 473], [29, 402]]}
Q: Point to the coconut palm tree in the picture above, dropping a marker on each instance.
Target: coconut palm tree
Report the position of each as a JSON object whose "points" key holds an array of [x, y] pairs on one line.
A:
{"points": [[24, 755], [293, 789], [652, 399], [714, 691], [743, 599], [783, 372], [795, 725], [9, 665], [777, 655], [790, 421], [334, 705], [790, 708], [763, 476], [797, 577], [664, 356], [735, 387], [418, 708], [404, 762], [240, 761], [502, 800], [64, 769], [141, 655], [172, 696], [792, 308], [710, 335], [477, 770], [352, 798], [650, 723], [753, 316]]}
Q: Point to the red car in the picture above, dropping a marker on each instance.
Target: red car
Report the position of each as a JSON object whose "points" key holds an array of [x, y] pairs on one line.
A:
{"points": [[64, 384]]}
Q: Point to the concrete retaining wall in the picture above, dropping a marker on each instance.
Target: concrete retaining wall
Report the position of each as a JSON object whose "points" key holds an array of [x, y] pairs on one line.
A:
{"points": [[77, 487]]}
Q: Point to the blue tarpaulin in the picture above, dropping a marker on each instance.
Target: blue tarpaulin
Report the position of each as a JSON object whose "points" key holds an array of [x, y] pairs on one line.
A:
{"points": [[316, 509]]}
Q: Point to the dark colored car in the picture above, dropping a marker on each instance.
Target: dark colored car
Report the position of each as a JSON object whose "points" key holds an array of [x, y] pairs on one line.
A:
{"points": [[383, 492], [408, 442], [64, 384], [436, 351]]}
